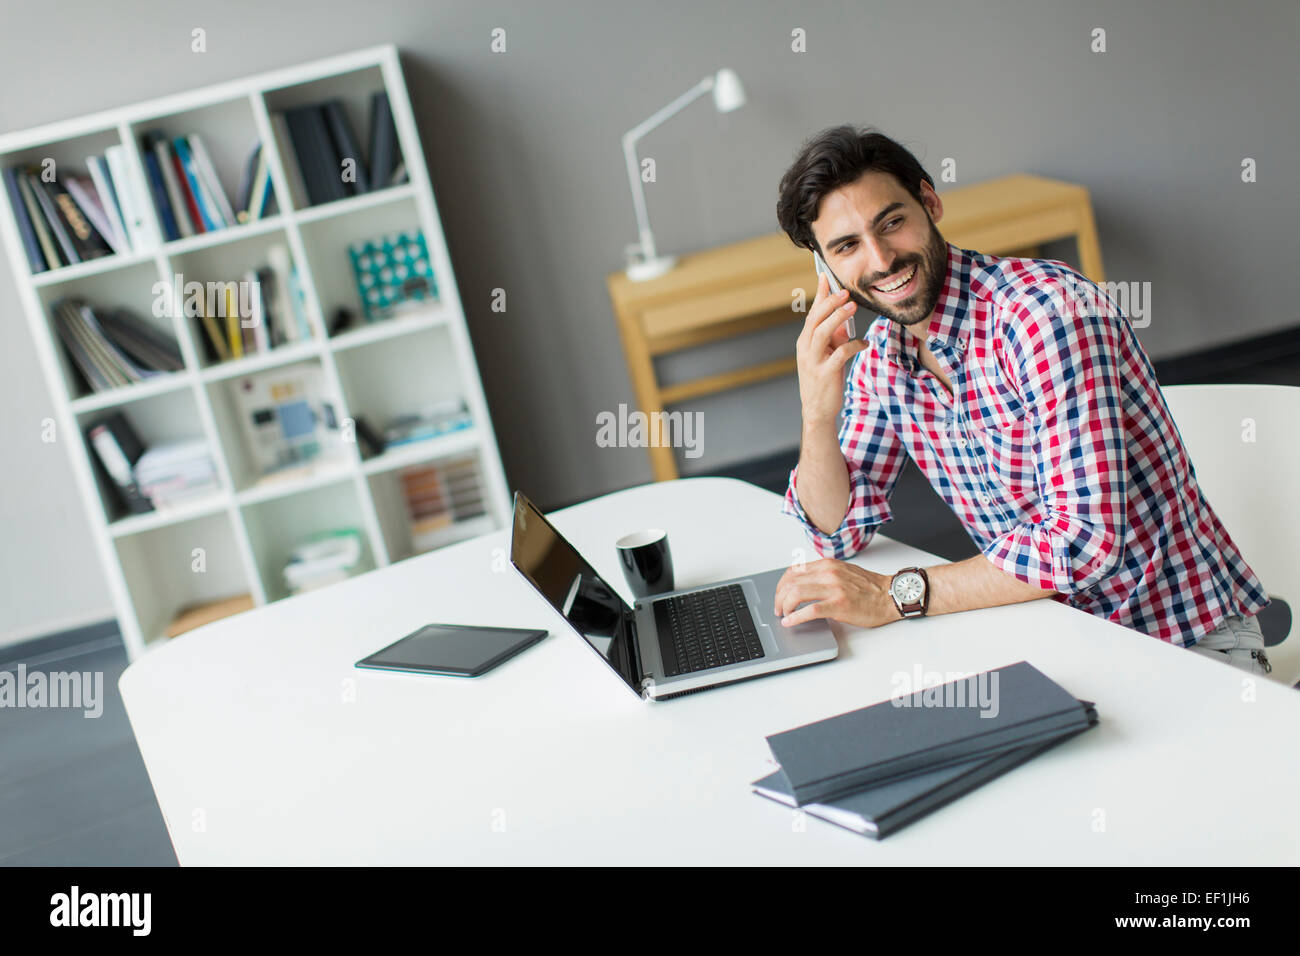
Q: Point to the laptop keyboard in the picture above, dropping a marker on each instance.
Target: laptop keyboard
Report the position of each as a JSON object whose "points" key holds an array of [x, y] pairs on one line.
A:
{"points": [[706, 629]]}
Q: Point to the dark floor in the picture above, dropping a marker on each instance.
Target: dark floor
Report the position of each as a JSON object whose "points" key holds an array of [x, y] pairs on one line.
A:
{"points": [[74, 791]]}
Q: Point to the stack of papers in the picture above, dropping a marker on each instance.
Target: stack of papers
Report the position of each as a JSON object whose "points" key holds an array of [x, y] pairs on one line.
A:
{"points": [[877, 769], [172, 473]]}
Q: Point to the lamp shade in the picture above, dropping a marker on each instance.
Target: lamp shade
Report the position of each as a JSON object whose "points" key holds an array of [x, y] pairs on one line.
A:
{"points": [[728, 94]]}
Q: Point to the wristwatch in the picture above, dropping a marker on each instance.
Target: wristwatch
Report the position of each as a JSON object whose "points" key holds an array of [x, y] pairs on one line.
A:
{"points": [[910, 589]]}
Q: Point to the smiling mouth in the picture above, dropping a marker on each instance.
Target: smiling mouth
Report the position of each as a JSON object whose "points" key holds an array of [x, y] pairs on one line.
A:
{"points": [[896, 284]]}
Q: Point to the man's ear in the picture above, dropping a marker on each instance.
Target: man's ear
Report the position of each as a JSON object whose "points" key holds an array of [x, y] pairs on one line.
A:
{"points": [[931, 201]]}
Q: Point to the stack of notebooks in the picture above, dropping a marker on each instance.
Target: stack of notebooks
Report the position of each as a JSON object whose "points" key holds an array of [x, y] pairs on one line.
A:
{"points": [[64, 219], [877, 769], [113, 347], [188, 193], [324, 558], [330, 159]]}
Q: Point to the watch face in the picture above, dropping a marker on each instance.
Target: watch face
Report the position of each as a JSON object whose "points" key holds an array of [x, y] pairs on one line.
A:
{"points": [[908, 588]]}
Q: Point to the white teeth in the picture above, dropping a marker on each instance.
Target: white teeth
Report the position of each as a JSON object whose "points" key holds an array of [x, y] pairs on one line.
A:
{"points": [[897, 285]]}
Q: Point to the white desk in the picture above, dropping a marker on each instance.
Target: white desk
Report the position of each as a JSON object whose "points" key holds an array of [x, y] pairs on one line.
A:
{"points": [[266, 746]]}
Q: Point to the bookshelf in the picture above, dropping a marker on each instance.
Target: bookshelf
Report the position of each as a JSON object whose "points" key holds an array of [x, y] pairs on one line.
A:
{"points": [[236, 540]]}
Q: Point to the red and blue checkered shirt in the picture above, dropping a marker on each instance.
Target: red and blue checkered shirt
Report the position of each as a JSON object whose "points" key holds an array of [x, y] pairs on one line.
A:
{"points": [[1056, 449]]}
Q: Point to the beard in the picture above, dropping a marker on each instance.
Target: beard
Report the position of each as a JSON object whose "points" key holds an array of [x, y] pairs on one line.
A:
{"points": [[932, 272]]}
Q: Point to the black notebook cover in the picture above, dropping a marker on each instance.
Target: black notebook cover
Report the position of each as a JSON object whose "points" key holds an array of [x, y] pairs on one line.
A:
{"points": [[846, 753], [881, 810]]}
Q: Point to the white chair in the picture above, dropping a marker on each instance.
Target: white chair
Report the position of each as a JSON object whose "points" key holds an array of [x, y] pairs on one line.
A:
{"points": [[1244, 442]]}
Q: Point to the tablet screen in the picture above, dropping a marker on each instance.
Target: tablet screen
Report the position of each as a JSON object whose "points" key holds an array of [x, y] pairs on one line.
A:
{"points": [[447, 649]]}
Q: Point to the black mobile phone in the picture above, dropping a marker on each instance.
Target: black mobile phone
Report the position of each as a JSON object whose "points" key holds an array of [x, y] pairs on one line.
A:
{"points": [[454, 650]]}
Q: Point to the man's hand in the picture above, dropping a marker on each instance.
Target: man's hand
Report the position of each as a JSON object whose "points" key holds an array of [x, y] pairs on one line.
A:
{"points": [[839, 591], [820, 353]]}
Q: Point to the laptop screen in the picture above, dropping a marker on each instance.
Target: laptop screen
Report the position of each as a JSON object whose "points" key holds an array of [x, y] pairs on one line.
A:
{"points": [[573, 588]]}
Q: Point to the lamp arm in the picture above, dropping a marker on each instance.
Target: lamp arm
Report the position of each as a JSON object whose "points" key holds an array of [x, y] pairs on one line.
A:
{"points": [[630, 139]]}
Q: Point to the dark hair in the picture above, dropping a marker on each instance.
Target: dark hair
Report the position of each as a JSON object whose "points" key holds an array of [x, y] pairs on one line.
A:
{"points": [[833, 158]]}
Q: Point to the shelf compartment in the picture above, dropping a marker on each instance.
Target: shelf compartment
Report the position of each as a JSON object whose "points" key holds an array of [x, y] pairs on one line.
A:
{"points": [[136, 288], [170, 568], [277, 526], [62, 160], [228, 132], [400, 376], [326, 243], [165, 417], [432, 504], [275, 420], [201, 279], [353, 90]]}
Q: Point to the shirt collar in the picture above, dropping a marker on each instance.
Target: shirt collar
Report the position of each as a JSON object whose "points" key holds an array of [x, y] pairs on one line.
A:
{"points": [[950, 326]]}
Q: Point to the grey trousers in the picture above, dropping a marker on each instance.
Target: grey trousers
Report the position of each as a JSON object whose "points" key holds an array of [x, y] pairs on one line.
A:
{"points": [[1237, 641]]}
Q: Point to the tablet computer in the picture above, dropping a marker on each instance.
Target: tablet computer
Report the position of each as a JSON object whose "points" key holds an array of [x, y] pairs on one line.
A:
{"points": [[458, 650]]}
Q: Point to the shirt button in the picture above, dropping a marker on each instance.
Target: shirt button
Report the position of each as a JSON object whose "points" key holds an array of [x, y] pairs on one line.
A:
{"points": [[985, 499]]}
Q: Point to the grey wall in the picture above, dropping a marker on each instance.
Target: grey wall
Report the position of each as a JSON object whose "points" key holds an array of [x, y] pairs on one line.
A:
{"points": [[524, 152]]}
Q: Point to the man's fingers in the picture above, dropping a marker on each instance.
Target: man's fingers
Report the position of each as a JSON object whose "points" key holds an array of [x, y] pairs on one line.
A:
{"points": [[809, 612], [823, 291], [846, 351], [820, 339]]}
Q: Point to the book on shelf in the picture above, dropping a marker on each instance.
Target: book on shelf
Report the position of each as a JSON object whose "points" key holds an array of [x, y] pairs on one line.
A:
{"points": [[132, 197], [254, 187], [187, 192], [385, 153], [69, 218], [263, 309], [331, 164], [393, 273], [107, 191], [83, 191], [111, 348], [440, 418], [438, 496], [117, 448]]}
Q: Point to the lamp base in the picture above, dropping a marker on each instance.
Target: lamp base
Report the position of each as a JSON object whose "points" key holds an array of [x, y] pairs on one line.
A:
{"points": [[651, 268]]}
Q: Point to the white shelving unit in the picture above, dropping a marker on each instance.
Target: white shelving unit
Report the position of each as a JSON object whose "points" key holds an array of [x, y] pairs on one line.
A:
{"points": [[376, 370]]}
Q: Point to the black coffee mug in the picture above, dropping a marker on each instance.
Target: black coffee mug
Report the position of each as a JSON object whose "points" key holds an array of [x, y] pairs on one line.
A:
{"points": [[647, 562]]}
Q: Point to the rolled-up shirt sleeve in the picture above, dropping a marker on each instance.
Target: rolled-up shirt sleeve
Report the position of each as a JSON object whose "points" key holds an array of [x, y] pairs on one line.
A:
{"points": [[1068, 357], [874, 457]]}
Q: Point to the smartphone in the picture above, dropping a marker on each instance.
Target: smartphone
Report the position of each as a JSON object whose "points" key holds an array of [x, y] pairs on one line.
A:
{"points": [[823, 269]]}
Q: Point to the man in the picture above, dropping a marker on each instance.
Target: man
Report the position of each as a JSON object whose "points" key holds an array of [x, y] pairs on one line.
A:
{"points": [[1021, 392]]}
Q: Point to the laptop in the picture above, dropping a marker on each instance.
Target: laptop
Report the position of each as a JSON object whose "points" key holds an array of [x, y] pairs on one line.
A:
{"points": [[666, 645]]}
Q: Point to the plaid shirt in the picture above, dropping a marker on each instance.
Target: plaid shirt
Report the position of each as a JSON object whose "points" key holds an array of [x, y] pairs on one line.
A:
{"points": [[1057, 453]]}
